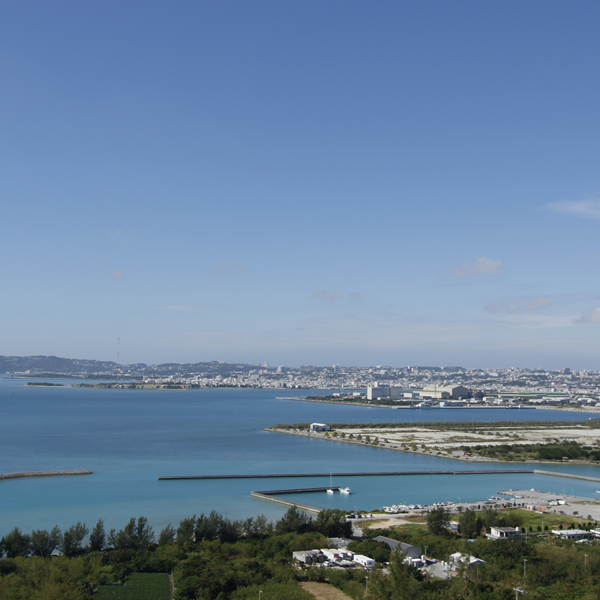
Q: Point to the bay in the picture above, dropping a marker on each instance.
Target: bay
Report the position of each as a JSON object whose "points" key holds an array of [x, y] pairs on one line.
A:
{"points": [[130, 437]]}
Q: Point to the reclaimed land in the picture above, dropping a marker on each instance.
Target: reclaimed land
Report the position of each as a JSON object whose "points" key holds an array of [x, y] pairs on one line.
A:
{"points": [[412, 404], [44, 473], [507, 441]]}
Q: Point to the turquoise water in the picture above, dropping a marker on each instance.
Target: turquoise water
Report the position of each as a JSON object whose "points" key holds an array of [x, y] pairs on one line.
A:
{"points": [[130, 437]]}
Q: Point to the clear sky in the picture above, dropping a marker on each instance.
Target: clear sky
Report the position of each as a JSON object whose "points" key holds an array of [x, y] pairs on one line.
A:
{"points": [[301, 181]]}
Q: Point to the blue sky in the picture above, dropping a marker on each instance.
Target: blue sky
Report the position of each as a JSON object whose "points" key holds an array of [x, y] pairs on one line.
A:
{"points": [[304, 182]]}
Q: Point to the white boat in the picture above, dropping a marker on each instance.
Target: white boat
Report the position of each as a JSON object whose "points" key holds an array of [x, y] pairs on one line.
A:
{"points": [[345, 490], [330, 490]]}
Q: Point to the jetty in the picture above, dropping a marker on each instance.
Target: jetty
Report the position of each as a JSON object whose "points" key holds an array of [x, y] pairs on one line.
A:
{"points": [[271, 496], [44, 473]]}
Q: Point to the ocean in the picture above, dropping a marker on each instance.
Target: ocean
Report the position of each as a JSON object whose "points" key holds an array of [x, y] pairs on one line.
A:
{"points": [[129, 438]]}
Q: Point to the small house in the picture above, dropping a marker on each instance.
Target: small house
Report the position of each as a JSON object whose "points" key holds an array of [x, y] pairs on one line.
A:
{"points": [[504, 533]]}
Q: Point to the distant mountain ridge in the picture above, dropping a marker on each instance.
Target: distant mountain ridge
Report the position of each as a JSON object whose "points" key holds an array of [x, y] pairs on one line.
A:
{"points": [[11, 364], [38, 365]]}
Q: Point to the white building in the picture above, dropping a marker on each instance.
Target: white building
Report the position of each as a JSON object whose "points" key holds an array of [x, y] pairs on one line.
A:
{"points": [[504, 533], [309, 557], [573, 534], [364, 561], [458, 559], [374, 392], [446, 391], [319, 427]]}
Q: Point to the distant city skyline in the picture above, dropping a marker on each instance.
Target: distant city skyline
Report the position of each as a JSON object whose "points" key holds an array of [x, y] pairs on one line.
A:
{"points": [[301, 182]]}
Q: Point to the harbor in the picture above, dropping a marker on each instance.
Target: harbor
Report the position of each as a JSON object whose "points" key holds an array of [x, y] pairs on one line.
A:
{"points": [[220, 432]]}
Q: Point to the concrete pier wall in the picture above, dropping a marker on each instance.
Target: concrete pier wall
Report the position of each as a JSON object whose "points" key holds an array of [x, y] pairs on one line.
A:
{"points": [[44, 473]]}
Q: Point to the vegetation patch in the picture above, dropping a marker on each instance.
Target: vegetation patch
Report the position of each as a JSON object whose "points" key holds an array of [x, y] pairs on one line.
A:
{"points": [[138, 586], [551, 451]]}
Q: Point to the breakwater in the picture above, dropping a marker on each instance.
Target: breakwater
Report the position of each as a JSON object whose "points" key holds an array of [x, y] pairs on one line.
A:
{"points": [[568, 475], [268, 495], [295, 491], [44, 473], [355, 474]]}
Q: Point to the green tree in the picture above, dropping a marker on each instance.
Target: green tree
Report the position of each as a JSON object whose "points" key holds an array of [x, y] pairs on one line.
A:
{"points": [[402, 583], [16, 543], [490, 518], [332, 523], [259, 526], [167, 535], [437, 520], [44, 543], [97, 541], [134, 536], [295, 521], [470, 524], [72, 539], [185, 531]]}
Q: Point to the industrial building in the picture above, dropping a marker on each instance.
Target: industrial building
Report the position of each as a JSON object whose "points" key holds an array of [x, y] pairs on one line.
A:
{"points": [[376, 392]]}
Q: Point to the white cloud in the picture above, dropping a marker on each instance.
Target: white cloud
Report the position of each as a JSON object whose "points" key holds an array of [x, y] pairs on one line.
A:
{"points": [[590, 318], [482, 265], [327, 295], [118, 274], [589, 209]]}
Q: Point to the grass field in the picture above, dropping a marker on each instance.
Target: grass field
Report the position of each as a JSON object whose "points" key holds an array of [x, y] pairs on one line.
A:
{"points": [[139, 586]]}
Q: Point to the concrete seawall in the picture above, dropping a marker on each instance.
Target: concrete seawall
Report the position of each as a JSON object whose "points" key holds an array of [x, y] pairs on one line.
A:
{"points": [[360, 474], [44, 474], [267, 496], [568, 475]]}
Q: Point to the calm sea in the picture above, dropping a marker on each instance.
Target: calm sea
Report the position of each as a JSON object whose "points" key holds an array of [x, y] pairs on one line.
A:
{"points": [[129, 438]]}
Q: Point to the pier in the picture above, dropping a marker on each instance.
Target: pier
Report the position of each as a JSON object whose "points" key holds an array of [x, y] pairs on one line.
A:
{"points": [[44, 474]]}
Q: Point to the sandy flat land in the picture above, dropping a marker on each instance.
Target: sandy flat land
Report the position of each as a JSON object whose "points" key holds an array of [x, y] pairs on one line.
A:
{"points": [[576, 506], [323, 591], [447, 442]]}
